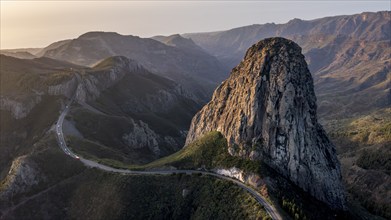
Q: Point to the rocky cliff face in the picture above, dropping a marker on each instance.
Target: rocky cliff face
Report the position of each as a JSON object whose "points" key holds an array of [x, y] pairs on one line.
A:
{"points": [[19, 109], [266, 110], [22, 175], [142, 136], [92, 84], [87, 86], [66, 88]]}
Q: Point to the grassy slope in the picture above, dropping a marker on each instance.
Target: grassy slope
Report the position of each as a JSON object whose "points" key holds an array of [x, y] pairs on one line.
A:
{"points": [[101, 142], [361, 131], [209, 152], [139, 95], [140, 87], [17, 136], [19, 76], [363, 144], [54, 167], [143, 197], [22, 81]]}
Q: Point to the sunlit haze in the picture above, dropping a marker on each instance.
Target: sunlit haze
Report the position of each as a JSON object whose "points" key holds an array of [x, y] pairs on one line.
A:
{"points": [[39, 23]]}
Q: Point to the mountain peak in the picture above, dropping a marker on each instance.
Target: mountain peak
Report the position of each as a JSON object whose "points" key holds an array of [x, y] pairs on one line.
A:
{"points": [[92, 34], [114, 61], [178, 41], [266, 110], [274, 46]]}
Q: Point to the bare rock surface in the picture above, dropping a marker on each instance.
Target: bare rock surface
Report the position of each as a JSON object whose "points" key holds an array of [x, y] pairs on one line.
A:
{"points": [[266, 110], [142, 136], [19, 109], [22, 175]]}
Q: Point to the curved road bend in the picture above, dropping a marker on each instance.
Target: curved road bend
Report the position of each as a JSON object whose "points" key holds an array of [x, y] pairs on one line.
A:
{"points": [[89, 163]]}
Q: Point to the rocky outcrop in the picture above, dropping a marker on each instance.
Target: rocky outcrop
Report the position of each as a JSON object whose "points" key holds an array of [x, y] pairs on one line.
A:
{"points": [[22, 175], [266, 110], [65, 88], [20, 106], [142, 136], [105, 75], [250, 179], [89, 84], [19, 109], [88, 87], [162, 100]]}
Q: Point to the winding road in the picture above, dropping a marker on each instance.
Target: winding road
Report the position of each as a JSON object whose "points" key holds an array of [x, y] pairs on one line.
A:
{"points": [[89, 163]]}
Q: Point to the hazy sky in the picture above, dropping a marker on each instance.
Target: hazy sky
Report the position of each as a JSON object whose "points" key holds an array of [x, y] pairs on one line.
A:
{"points": [[39, 23]]}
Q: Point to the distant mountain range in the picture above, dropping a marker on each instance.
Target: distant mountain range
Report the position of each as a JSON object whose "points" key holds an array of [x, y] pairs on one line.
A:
{"points": [[185, 63], [349, 56], [136, 96], [178, 59]]}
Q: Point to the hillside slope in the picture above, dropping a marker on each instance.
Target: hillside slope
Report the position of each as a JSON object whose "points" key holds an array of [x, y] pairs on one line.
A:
{"points": [[126, 109], [198, 72], [46, 184], [28, 105], [123, 110]]}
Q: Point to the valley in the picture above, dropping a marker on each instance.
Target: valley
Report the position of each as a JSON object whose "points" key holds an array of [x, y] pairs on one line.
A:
{"points": [[113, 126], [89, 163]]}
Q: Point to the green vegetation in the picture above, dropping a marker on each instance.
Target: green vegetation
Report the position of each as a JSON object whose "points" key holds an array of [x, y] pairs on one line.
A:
{"points": [[102, 128], [362, 131], [207, 198], [20, 76], [364, 197], [70, 190], [57, 78], [295, 211], [365, 141], [376, 159], [101, 195], [47, 160], [47, 155], [21, 134], [210, 151], [298, 204], [107, 155], [137, 95]]}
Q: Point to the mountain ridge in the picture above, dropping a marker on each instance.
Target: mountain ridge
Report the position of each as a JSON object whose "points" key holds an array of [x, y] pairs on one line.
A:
{"points": [[346, 54], [189, 66]]}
